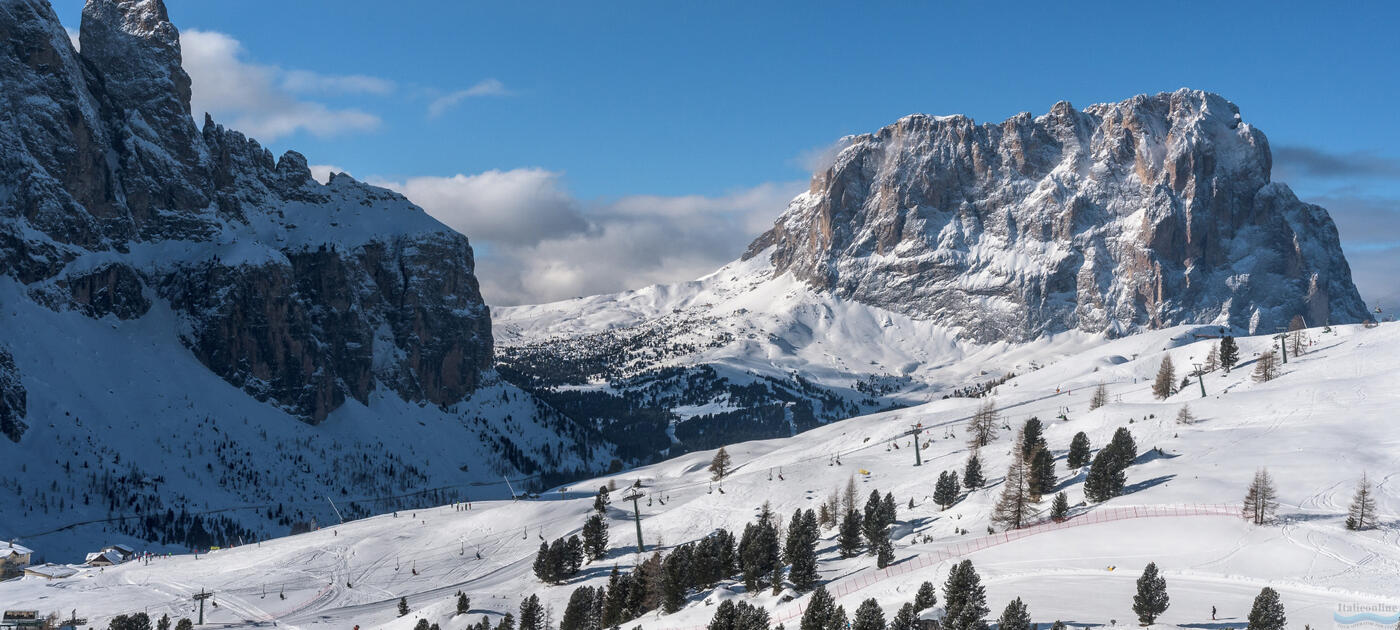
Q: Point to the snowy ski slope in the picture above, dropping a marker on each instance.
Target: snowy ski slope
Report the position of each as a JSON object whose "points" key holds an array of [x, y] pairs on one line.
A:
{"points": [[1328, 418]]}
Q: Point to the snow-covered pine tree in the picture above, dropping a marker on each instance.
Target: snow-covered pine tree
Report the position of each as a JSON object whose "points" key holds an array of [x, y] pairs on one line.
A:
{"points": [[1151, 599], [1165, 385], [869, 616], [965, 599], [1261, 500], [1031, 437], [848, 539], [403, 606], [906, 619], [1059, 508], [1014, 507], [926, 597], [945, 492], [972, 472], [1123, 448], [464, 603], [803, 572], [1185, 382], [795, 536], [1099, 398], [719, 466], [873, 523], [601, 501], [1015, 617], [889, 510], [1266, 367], [1229, 353], [578, 613], [884, 551], [1042, 472], [1105, 479], [544, 567], [1078, 456], [595, 536], [983, 428], [1058, 625], [506, 623], [1362, 512], [820, 611], [1267, 612]]}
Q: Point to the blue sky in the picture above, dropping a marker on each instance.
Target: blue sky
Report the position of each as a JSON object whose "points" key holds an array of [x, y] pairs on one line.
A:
{"points": [[711, 109]]}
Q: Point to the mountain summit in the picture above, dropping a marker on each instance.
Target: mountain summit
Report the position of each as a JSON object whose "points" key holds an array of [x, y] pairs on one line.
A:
{"points": [[1151, 212]]}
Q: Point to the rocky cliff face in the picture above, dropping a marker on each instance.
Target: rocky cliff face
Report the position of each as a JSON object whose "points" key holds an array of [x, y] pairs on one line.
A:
{"points": [[1151, 212], [112, 200]]}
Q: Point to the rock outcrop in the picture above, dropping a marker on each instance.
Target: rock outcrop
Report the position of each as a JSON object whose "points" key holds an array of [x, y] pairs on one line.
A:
{"points": [[1152, 212], [302, 294]]}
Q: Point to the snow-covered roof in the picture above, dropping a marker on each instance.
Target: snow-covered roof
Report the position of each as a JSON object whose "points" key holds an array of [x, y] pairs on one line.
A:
{"points": [[109, 555], [126, 549], [51, 570], [9, 548], [936, 613]]}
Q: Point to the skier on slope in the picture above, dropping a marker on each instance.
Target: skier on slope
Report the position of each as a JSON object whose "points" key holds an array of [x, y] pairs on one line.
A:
{"points": [[1212, 613]]}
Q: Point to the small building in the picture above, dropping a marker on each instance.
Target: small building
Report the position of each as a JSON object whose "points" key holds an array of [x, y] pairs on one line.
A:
{"points": [[13, 619], [13, 559], [49, 571], [932, 618], [103, 558], [124, 551]]}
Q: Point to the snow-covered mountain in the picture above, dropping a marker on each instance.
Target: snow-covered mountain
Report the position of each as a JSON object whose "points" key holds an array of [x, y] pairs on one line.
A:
{"points": [[189, 323], [927, 247], [1323, 422]]}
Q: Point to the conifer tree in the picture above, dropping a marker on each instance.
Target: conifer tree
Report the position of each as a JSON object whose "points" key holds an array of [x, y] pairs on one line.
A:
{"points": [[965, 599], [1058, 625], [884, 551], [1100, 397], [906, 619], [945, 492], [403, 606], [615, 603], [600, 502], [1015, 617], [595, 536], [1229, 353], [1042, 472], [1059, 509], [972, 472], [163, 623], [1123, 448], [1031, 437], [1105, 479], [1151, 599], [423, 625], [1362, 513], [1078, 456], [848, 540], [983, 428], [869, 616], [464, 604], [1014, 507], [1267, 612], [926, 597], [1261, 500], [531, 614], [1165, 385], [820, 611], [578, 612], [673, 581], [873, 524], [1266, 367], [848, 496], [760, 554], [796, 536], [507, 622], [719, 466], [803, 572], [1212, 361], [184, 624], [889, 510], [1184, 415], [838, 620]]}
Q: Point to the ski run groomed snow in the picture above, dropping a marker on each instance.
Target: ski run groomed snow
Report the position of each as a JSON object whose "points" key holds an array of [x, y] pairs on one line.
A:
{"points": [[1326, 420]]}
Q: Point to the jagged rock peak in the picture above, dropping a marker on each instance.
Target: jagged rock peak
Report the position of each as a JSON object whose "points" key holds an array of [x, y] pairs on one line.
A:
{"points": [[133, 43], [1153, 211]]}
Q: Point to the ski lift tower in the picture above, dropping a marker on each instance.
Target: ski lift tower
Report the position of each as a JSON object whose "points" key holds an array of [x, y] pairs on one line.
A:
{"points": [[914, 431], [634, 495], [1282, 338], [1200, 378]]}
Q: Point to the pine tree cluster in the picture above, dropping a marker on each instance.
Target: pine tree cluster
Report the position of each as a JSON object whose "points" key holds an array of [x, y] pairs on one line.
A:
{"points": [[1107, 474], [965, 599], [560, 560]]}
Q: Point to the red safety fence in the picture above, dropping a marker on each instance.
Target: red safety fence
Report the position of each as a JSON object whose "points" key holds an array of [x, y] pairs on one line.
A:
{"points": [[842, 588]]}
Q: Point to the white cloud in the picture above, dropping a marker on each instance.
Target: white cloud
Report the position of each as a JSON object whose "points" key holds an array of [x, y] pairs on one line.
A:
{"points": [[305, 81], [322, 172], [488, 87], [537, 243], [260, 100]]}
